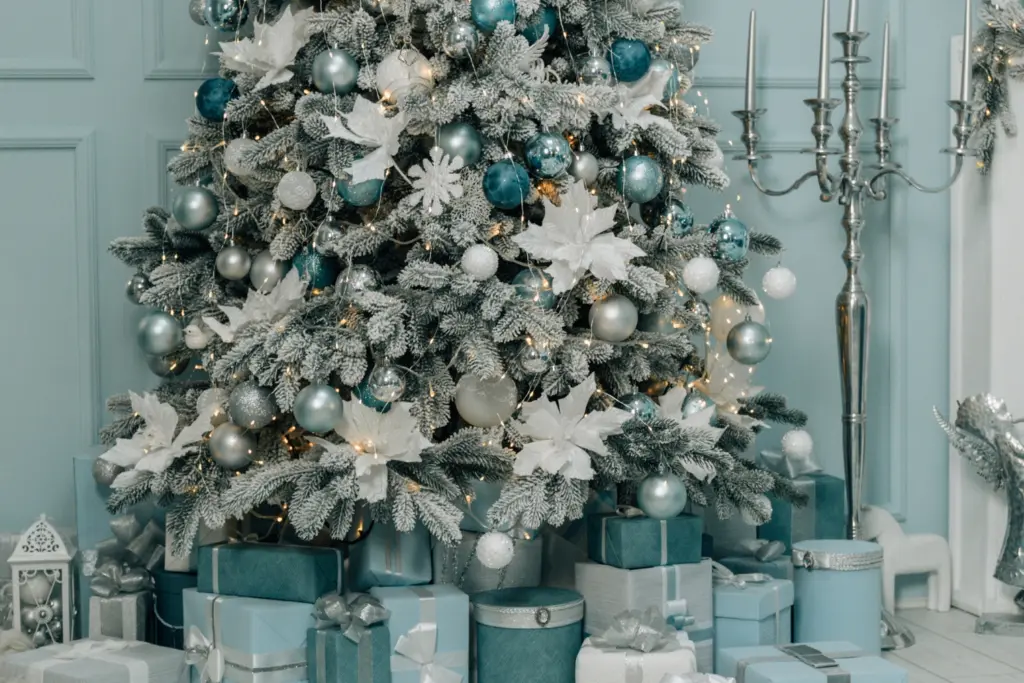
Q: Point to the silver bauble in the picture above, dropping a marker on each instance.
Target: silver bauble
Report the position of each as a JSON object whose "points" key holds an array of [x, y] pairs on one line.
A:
{"points": [[480, 262], [377, 7], [136, 287], [105, 472], [296, 190], [233, 262], [613, 319], [233, 156], [535, 358], [251, 406], [318, 408], [486, 402], [662, 496], [462, 140], [401, 72], [29, 619], [595, 70], [197, 11], [328, 234], [265, 272], [159, 334], [166, 366], [357, 278], [231, 446], [335, 72], [55, 630], [585, 167], [36, 590], [195, 208], [749, 342], [660, 322], [694, 403], [41, 638], [386, 383], [461, 40]]}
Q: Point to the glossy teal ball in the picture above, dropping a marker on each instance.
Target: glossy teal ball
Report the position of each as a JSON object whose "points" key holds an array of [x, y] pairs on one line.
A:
{"points": [[672, 85], [662, 496], [534, 285], [366, 193], [506, 184], [226, 15], [460, 139], [317, 269], [365, 396], [213, 96], [640, 179], [548, 155], [335, 72], [640, 406], [672, 213], [630, 59], [733, 238], [545, 18], [487, 14], [318, 408]]}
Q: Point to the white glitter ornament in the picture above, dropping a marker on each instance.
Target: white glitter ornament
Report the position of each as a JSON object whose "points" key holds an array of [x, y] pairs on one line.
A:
{"points": [[480, 262], [495, 550], [701, 274], [779, 283], [401, 72], [797, 443], [297, 190], [233, 156]]}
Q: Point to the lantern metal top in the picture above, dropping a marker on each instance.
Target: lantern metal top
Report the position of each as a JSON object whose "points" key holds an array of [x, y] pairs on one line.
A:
{"points": [[41, 542]]}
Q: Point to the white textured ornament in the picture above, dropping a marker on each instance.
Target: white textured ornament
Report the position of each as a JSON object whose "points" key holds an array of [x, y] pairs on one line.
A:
{"points": [[495, 550], [401, 72], [436, 181], [297, 190], [233, 156], [480, 262], [779, 283], [197, 335], [797, 443], [701, 274]]}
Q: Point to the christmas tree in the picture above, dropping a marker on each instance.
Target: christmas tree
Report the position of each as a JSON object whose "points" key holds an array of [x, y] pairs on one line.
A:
{"points": [[421, 243]]}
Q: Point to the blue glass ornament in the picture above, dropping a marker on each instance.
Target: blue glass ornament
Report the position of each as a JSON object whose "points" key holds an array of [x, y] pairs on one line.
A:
{"points": [[672, 213], [487, 13], [366, 193], [630, 59], [365, 395], [534, 285], [213, 96], [506, 184], [460, 139], [226, 15], [317, 269], [547, 18], [640, 179], [640, 406], [672, 86], [733, 238], [548, 155]]}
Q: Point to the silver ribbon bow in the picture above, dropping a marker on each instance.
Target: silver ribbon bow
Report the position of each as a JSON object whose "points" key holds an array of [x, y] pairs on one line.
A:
{"points": [[353, 616], [641, 630], [723, 576], [203, 654], [122, 564], [787, 465], [419, 646]]}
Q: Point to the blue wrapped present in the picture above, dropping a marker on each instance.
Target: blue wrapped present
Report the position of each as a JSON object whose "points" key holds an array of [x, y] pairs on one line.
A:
{"points": [[387, 557], [749, 613], [779, 568], [707, 545], [566, 545], [703, 637], [168, 605], [261, 641], [429, 630], [352, 643], [824, 516], [477, 505], [638, 542], [270, 571], [830, 662]]}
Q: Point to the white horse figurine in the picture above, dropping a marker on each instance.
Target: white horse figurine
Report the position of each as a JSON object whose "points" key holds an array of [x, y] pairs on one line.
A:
{"points": [[909, 554]]}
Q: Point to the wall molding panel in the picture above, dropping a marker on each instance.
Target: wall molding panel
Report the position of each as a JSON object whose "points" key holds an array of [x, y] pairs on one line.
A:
{"points": [[157, 62], [79, 65]]}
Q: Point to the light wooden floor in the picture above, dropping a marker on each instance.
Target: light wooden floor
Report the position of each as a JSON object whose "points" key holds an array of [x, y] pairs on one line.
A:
{"points": [[948, 651]]}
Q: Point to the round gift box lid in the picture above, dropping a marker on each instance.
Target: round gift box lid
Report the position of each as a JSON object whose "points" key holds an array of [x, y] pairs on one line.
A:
{"points": [[837, 555], [528, 608]]}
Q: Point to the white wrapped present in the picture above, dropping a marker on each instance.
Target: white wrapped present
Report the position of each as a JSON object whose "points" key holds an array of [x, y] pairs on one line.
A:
{"points": [[639, 647], [92, 661]]}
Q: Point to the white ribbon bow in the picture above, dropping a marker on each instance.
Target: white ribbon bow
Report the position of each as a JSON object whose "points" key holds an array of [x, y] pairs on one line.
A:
{"points": [[200, 652], [419, 645]]}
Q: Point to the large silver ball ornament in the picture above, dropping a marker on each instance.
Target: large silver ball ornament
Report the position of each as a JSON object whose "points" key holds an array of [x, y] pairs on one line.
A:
{"points": [[296, 190], [461, 140], [318, 408], [233, 156], [251, 406], [233, 262], [585, 167], [662, 496], [357, 278], [159, 334], [265, 273], [535, 357], [386, 383], [749, 342], [486, 402], [335, 71], [461, 40], [197, 11], [595, 70], [231, 446], [105, 472], [166, 366], [613, 319], [136, 287], [195, 208], [327, 235], [36, 589]]}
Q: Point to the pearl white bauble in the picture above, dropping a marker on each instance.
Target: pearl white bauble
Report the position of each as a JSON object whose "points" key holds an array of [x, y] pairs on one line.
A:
{"points": [[495, 550], [233, 156], [480, 262], [726, 314], [779, 282], [797, 443], [701, 274], [486, 402], [197, 335], [401, 72], [297, 190]]}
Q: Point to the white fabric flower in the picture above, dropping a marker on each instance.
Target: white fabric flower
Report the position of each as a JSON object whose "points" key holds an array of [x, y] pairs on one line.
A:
{"points": [[670, 406], [726, 383], [564, 433], [436, 181], [368, 125], [635, 101], [290, 291], [271, 51]]}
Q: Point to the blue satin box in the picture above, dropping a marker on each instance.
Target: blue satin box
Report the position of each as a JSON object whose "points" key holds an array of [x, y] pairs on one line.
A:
{"points": [[387, 557], [252, 634], [334, 658], [824, 516], [433, 623], [781, 568], [273, 572], [753, 614], [639, 542], [768, 664]]}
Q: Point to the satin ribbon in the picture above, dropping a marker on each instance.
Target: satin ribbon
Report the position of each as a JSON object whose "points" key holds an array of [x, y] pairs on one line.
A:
{"points": [[353, 616], [630, 512], [122, 564], [417, 649], [723, 576], [203, 654], [676, 608], [641, 630], [111, 651], [762, 550], [822, 662]]}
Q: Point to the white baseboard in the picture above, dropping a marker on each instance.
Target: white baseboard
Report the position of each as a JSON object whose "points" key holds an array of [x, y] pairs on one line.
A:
{"points": [[913, 602]]}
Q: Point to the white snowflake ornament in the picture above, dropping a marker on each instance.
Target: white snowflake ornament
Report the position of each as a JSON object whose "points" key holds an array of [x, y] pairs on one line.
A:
{"points": [[436, 181]]}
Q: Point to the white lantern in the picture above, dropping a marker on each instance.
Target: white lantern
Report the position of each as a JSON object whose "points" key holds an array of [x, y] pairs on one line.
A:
{"points": [[43, 585]]}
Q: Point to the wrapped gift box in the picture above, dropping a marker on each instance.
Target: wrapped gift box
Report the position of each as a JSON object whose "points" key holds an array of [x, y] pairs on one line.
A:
{"points": [[703, 638], [727, 533], [707, 545], [386, 557], [824, 516], [811, 663], [566, 545], [252, 634], [121, 616], [596, 664], [168, 606], [333, 657], [751, 614], [637, 542], [414, 610], [270, 571], [189, 564], [678, 591], [459, 567], [91, 661], [780, 568], [476, 506]]}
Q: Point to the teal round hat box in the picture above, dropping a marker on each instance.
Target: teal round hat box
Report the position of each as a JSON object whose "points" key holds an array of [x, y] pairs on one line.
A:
{"points": [[527, 634], [838, 587]]}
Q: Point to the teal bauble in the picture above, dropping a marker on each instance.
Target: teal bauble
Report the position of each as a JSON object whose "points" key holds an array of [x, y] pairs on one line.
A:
{"points": [[335, 72], [195, 208], [630, 59], [548, 155], [364, 393], [672, 214], [659, 66], [749, 342], [662, 496], [318, 408], [213, 96], [226, 15], [733, 238], [315, 268], [366, 193], [534, 285], [545, 18], [487, 14], [640, 179], [160, 334], [506, 184], [461, 140], [640, 406]]}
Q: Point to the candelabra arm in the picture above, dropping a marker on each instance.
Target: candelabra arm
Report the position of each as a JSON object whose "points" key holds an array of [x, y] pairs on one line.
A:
{"points": [[879, 193], [779, 193]]}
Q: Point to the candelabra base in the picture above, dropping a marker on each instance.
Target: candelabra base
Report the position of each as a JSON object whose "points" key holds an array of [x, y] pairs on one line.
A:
{"points": [[994, 624], [895, 634]]}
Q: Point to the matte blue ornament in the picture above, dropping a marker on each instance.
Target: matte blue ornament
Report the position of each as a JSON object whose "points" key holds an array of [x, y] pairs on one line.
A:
{"points": [[673, 214], [316, 268], [506, 184], [548, 155], [460, 139], [534, 285], [487, 13], [733, 238], [640, 179], [365, 395], [641, 406], [213, 96], [630, 59], [547, 18], [366, 193], [226, 15], [672, 86]]}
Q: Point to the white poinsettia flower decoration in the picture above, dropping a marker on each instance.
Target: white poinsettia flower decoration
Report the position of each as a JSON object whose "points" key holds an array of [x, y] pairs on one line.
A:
{"points": [[436, 181], [572, 239], [272, 49], [726, 383], [670, 406], [564, 435], [635, 101], [258, 306], [155, 446], [369, 125]]}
